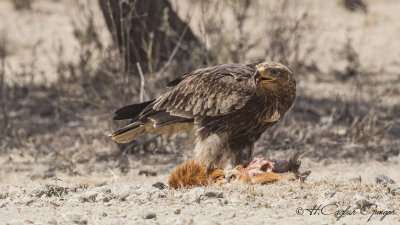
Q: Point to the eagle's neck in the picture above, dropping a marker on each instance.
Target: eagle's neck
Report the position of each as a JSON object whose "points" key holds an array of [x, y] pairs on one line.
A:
{"points": [[277, 96]]}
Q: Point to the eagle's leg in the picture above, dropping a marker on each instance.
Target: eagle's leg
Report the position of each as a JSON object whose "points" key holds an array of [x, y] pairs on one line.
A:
{"points": [[243, 156], [212, 151]]}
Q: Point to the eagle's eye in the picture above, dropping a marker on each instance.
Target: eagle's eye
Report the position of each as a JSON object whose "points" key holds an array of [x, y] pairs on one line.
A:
{"points": [[275, 72]]}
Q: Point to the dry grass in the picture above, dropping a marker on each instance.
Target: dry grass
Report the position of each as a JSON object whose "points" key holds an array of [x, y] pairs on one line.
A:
{"points": [[285, 38]]}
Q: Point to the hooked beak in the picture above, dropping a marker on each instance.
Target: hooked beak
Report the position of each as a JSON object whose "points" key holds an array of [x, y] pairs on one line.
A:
{"points": [[257, 77], [260, 77]]}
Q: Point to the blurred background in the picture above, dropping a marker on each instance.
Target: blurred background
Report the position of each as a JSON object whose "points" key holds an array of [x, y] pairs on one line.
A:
{"points": [[66, 66]]}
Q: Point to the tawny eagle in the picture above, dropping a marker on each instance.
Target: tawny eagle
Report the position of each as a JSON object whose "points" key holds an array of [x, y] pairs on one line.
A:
{"points": [[229, 106]]}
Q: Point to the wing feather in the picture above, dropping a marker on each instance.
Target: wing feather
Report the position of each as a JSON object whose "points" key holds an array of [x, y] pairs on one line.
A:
{"points": [[211, 91]]}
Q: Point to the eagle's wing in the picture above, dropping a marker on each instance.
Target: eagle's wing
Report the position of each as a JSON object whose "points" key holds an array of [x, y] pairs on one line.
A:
{"points": [[211, 91]]}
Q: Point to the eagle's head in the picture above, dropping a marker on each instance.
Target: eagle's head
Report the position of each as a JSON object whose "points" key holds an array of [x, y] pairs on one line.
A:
{"points": [[275, 79], [272, 75]]}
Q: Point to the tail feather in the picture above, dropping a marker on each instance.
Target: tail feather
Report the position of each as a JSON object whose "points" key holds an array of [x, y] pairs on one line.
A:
{"points": [[145, 119], [130, 111], [129, 132]]}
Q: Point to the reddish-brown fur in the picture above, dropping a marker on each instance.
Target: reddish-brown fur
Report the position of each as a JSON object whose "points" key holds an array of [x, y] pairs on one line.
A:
{"points": [[189, 174], [265, 178], [193, 174]]}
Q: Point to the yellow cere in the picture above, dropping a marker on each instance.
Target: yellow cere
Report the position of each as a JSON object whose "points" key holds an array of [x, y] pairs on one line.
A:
{"points": [[261, 70]]}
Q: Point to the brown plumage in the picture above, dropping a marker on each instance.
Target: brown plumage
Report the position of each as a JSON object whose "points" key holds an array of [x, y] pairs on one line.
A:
{"points": [[229, 107]]}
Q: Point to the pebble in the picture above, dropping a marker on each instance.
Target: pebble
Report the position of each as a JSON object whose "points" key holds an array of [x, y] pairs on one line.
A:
{"points": [[194, 195], [159, 185], [4, 203], [89, 196], [383, 178], [177, 211], [27, 200], [37, 192], [3, 195], [394, 189], [101, 197], [103, 189], [123, 196], [77, 218], [360, 200], [214, 194], [150, 215]]}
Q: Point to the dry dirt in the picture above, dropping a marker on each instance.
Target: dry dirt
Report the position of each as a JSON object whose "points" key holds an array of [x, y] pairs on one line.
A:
{"points": [[106, 196], [84, 189]]}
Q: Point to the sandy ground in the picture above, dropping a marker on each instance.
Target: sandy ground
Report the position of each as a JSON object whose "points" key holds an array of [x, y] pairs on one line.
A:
{"points": [[109, 197]]}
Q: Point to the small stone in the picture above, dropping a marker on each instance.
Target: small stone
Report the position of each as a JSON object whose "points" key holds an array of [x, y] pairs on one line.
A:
{"points": [[27, 200], [3, 195], [101, 197], [194, 195], [77, 218], [249, 198], [157, 194], [361, 201], [103, 189], [214, 194], [4, 203], [37, 192], [177, 211], [394, 189], [150, 215], [123, 196], [383, 178], [159, 185], [89, 196], [396, 192]]}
